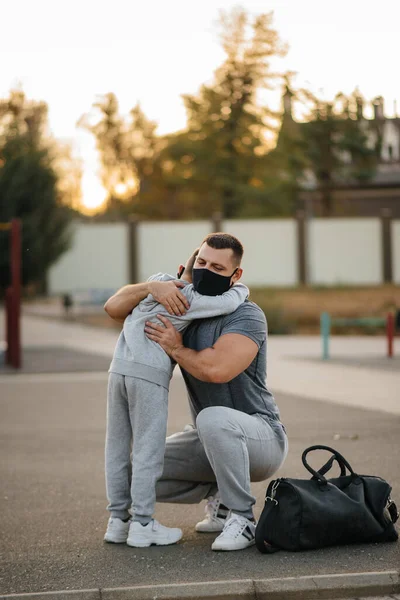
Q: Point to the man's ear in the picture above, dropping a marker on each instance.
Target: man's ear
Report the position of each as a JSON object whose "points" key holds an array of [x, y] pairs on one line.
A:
{"points": [[237, 275], [181, 269]]}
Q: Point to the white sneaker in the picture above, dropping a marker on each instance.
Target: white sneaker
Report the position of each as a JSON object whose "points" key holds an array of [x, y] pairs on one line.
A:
{"points": [[238, 534], [188, 427], [117, 531], [215, 516], [142, 536]]}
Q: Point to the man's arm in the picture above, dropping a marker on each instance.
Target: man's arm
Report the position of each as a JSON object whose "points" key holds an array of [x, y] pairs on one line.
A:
{"points": [[231, 354], [167, 293], [119, 306]]}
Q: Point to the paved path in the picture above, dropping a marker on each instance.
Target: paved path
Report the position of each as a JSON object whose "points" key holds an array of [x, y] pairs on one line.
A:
{"points": [[52, 502], [294, 362]]}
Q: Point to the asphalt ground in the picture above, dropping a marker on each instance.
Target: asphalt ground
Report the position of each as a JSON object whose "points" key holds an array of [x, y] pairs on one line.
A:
{"points": [[52, 498], [57, 359], [375, 362]]}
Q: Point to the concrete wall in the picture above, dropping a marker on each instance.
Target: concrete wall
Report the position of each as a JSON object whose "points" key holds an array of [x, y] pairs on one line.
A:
{"points": [[98, 259], [396, 251], [164, 246], [345, 251], [270, 250], [341, 251]]}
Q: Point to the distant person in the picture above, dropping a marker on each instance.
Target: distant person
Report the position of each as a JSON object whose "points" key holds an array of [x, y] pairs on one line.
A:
{"points": [[237, 436], [67, 302], [140, 374]]}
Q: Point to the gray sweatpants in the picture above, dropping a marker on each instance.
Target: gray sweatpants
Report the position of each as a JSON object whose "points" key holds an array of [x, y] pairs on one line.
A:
{"points": [[137, 412], [227, 450]]}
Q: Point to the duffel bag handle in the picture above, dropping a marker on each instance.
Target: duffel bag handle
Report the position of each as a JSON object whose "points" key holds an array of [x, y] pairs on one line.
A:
{"points": [[328, 465], [320, 475]]}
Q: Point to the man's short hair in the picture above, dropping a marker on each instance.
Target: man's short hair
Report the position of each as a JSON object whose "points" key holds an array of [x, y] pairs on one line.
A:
{"points": [[191, 260], [220, 241]]}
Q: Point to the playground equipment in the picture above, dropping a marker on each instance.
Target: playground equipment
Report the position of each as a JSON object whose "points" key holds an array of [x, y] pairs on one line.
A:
{"points": [[326, 322], [13, 295]]}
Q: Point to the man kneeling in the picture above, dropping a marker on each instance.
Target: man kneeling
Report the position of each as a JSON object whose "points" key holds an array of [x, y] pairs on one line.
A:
{"points": [[238, 436]]}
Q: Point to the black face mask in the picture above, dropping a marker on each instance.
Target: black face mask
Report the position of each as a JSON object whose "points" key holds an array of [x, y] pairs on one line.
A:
{"points": [[208, 283]]}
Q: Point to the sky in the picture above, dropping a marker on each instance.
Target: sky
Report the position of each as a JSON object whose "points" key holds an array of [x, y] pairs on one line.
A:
{"points": [[69, 53]]}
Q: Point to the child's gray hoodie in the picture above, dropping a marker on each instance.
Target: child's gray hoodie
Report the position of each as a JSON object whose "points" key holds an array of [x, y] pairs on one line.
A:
{"points": [[137, 356]]}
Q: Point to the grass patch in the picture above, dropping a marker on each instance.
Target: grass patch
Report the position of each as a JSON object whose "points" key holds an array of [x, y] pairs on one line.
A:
{"points": [[298, 310]]}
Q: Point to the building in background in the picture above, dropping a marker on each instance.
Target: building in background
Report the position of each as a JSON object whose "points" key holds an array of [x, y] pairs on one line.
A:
{"points": [[371, 197]]}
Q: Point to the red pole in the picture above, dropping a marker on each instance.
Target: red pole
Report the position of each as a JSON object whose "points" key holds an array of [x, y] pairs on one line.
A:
{"points": [[9, 338], [15, 346], [390, 334]]}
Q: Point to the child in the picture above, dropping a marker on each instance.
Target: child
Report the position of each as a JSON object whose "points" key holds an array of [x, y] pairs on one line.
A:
{"points": [[137, 409]]}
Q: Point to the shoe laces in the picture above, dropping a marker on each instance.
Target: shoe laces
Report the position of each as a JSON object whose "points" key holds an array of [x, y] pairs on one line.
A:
{"points": [[212, 505], [235, 524]]}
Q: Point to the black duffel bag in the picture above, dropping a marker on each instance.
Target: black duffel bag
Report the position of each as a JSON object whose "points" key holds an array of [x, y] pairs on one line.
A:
{"points": [[303, 514]]}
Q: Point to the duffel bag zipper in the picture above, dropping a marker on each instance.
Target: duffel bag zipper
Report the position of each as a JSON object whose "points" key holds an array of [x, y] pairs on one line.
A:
{"points": [[273, 492], [272, 498]]}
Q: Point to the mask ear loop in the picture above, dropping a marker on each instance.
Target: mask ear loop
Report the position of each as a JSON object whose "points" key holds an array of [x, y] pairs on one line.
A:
{"points": [[233, 275], [181, 272]]}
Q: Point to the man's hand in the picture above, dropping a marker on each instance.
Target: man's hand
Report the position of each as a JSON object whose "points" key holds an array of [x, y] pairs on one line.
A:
{"points": [[166, 335], [167, 293]]}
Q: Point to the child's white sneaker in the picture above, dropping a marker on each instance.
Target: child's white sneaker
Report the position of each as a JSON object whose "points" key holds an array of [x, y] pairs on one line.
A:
{"points": [[238, 533], [142, 536], [215, 516], [117, 531]]}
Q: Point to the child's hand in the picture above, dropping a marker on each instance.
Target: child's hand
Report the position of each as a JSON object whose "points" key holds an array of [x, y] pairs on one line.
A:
{"points": [[167, 293]]}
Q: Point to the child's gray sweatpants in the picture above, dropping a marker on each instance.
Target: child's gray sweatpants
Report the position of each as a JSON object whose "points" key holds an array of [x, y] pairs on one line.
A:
{"points": [[137, 412]]}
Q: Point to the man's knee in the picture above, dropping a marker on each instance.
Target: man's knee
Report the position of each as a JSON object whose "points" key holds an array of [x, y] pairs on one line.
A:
{"points": [[213, 420]]}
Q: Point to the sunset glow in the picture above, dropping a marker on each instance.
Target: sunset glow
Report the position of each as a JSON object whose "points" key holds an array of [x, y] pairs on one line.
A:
{"points": [[69, 53]]}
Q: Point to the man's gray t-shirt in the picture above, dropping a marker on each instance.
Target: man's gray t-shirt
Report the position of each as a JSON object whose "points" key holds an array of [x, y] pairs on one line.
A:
{"points": [[248, 391]]}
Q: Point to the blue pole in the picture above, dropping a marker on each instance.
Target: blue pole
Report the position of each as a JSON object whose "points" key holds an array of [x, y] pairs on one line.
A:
{"points": [[325, 330]]}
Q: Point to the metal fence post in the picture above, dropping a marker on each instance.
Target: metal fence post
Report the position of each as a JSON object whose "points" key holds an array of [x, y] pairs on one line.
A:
{"points": [[325, 330]]}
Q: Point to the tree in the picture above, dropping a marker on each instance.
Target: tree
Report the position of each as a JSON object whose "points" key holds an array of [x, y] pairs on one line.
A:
{"points": [[336, 144], [225, 143], [219, 162], [288, 159], [108, 128], [134, 166], [31, 189]]}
